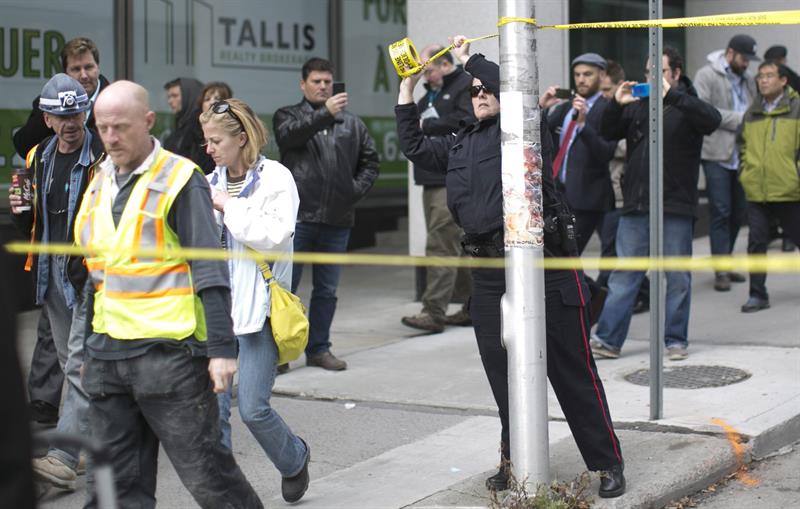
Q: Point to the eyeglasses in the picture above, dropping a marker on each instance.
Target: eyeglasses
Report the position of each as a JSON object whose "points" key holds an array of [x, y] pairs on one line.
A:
{"points": [[221, 107], [475, 90], [766, 76]]}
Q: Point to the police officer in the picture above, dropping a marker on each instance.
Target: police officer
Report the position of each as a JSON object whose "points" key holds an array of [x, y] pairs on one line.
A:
{"points": [[474, 192]]}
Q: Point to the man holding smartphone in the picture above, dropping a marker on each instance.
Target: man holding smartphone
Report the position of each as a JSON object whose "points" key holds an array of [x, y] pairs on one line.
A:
{"points": [[580, 168], [334, 163], [687, 119], [581, 163]]}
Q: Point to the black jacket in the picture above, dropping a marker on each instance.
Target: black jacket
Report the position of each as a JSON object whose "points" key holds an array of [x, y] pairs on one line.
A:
{"points": [[333, 160], [687, 119], [471, 159], [35, 130], [186, 137], [453, 104], [588, 185]]}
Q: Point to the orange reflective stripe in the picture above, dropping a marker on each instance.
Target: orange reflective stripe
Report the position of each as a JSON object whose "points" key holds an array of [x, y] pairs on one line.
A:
{"points": [[148, 295], [159, 227], [95, 265], [31, 155], [146, 271]]}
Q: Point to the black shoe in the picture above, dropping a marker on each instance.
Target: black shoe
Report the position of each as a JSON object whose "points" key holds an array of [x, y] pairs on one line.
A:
{"points": [[499, 481], [44, 413], [736, 277], [722, 282], [612, 482], [754, 304], [293, 488]]}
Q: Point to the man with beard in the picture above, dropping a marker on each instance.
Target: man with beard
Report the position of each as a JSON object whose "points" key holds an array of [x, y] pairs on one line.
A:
{"points": [[725, 83], [80, 59], [61, 167], [580, 168]]}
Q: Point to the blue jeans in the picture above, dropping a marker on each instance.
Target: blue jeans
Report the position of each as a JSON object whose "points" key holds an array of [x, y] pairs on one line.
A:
{"points": [[320, 238], [728, 207], [68, 327], [258, 361], [633, 239]]}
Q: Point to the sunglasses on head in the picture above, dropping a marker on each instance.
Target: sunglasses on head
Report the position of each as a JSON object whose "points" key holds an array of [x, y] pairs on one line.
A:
{"points": [[475, 90], [221, 107]]}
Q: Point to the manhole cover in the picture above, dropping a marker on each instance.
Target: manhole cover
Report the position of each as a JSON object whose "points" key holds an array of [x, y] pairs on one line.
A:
{"points": [[692, 377]]}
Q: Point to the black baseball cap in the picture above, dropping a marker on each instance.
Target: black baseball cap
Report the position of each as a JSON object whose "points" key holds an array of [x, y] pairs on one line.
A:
{"points": [[745, 45], [775, 52]]}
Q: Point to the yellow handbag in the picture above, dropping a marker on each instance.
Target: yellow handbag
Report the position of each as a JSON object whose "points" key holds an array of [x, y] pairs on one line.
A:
{"points": [[287, 317]]}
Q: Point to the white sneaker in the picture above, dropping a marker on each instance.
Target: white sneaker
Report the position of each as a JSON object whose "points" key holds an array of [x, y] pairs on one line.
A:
{"points": [[677, 353]]}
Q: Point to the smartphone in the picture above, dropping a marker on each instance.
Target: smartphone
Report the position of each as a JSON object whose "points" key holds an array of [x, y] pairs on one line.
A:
{"points": [[641, 90], [338, 87], [564, 93]]}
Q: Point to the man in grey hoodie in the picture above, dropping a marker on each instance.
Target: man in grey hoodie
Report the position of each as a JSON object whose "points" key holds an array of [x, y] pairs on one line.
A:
{"points": [[725, 83]]}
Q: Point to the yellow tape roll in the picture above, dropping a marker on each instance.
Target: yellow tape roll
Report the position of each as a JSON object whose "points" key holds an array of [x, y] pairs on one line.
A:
{"points": [[404, 57]]}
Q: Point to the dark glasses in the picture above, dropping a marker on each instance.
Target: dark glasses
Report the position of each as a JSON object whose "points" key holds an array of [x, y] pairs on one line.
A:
{"points": [[221, 107], [475, 90]]}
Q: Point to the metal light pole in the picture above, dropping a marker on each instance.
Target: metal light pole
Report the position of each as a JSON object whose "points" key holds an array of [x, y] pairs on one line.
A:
{"points": [[524, 332], [657, 289]]}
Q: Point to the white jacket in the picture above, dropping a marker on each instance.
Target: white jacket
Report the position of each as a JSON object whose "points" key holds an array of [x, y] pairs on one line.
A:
{"points": [[262, 218]]}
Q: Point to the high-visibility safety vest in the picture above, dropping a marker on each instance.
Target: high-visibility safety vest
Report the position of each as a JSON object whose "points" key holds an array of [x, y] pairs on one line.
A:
{"points": [[139, 298]]}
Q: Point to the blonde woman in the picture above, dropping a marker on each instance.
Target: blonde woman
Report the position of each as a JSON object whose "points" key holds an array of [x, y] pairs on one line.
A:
{"points": [[255, 202]]}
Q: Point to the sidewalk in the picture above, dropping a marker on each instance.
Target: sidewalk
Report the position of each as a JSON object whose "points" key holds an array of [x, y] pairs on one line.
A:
{"points": [[412, 423]]}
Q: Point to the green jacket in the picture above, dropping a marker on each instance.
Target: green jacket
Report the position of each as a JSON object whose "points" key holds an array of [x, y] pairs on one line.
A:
{"points": [[770, 144]]}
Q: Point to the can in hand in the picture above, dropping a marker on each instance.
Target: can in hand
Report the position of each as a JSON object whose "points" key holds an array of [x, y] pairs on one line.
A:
{"points": [[22, 186]]}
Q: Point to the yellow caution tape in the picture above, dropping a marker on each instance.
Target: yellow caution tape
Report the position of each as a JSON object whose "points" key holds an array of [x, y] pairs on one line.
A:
{"points": [[406, 60], [715, 20], [777, 263]]}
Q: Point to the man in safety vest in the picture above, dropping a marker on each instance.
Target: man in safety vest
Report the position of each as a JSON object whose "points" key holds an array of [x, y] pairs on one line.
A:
{"points": [[161, 327]]}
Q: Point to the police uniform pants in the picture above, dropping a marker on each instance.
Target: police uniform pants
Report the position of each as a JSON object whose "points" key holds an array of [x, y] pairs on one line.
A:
{"points": [[570, 365]]}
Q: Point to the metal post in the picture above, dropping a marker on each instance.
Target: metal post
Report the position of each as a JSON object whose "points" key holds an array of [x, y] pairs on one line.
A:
{"points": [[657, 294], [523, 304], [123, 39]]}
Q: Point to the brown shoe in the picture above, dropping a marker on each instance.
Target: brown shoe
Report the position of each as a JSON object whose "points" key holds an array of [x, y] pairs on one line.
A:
{"points": [[460, 318], [425, 321], [326, 360]]}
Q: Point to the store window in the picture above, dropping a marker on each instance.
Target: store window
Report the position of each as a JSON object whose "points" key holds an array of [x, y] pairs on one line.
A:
{"points": [[629, 47]]}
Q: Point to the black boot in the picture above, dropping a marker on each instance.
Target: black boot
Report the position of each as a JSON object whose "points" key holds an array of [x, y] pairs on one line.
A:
{"points": [[499, 481], [612, 482]]}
